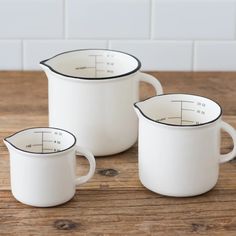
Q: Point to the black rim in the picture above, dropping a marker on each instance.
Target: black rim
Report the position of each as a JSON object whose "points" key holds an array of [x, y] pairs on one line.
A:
{"points": [[93, 78], [173, 125], [40, 153]]}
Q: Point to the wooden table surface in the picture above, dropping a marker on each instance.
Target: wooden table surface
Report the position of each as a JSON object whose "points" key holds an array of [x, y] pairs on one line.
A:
{"points": [[114, 201]]}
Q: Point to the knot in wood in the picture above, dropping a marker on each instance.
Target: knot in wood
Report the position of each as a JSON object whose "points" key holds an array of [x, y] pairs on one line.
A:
{"points": [[108, 172], [198, 227], [65, 224]]}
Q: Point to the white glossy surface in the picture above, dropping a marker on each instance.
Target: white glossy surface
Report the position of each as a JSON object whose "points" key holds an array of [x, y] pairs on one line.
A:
{"points": [[99, 112], [176, 160], [44, 179]]}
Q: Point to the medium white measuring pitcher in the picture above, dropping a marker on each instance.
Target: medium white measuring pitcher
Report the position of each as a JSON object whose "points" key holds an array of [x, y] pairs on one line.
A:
{"points": [[91, 93], [43, 166], [179, 144]]}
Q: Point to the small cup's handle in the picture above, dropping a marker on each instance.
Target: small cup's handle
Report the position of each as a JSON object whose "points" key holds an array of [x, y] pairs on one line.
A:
{"points": [[231, 131], [151, 80], [92, 163]]}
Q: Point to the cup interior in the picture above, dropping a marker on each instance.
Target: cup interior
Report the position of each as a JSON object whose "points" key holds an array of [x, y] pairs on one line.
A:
{"points": [[42, 140], [180, 109], [93, 63]]}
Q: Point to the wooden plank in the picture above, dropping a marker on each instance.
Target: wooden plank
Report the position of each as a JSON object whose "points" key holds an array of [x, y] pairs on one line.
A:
{"points": [[103, 212]]}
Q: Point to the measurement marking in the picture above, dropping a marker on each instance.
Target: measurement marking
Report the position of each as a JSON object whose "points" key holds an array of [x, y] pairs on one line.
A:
{"points": [[47, 149], [36, 145], [161, 119], [95, 55], [188, 121], [96, 62], [84, 67], [39, 132], [186, 109], [182, 101], [45, 132], [177, 117]]}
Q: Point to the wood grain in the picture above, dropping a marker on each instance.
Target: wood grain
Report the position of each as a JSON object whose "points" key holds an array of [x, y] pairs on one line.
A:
{"points": [[114, 202]]}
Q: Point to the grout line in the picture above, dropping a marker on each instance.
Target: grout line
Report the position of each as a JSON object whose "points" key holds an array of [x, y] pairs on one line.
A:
{"points": [[150, 19]]}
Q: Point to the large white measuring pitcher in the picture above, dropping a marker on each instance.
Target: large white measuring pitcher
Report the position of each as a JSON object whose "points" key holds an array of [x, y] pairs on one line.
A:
{"points": [[179, 144], [91, 93]]}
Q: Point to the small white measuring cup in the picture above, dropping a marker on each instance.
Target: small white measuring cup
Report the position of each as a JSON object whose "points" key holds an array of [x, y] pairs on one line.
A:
{"points": [[43, 166], [179, 144]]}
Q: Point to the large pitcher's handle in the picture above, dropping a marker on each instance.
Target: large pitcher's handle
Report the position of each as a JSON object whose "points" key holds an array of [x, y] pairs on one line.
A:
{"points": [[151, 80], [231, 131], [89, 156]]}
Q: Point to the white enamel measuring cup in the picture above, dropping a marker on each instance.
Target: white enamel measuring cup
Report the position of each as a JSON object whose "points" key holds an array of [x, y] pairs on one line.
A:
{"points": [[91, 93], [179, 144], [43, 166]]}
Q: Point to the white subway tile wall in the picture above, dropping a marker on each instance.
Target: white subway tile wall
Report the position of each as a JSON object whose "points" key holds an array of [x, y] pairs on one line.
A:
{"points": [[166, 35], [159, 55], [215, 55]]}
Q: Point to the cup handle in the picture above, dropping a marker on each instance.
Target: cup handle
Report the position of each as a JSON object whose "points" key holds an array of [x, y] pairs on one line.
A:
{"points": [[231, 131], [151, 80], [89, 156]]}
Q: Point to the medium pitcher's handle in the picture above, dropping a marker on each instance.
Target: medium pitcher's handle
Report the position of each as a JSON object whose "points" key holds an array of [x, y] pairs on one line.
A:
{"points": [[151, 80], [89, 156], [231, 131]]}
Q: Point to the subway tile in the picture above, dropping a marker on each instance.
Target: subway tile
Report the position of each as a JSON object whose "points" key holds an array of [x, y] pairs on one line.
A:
{"points": [[107, 19], [195, 19], [10, 56], [38, 50], [215, 56], [159, 55], [31, 19]]}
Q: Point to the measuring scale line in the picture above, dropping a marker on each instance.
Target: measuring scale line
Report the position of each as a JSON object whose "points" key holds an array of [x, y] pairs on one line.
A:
{"points": [[188, 121], [39, 132], [48, 149], [84, 67], [182, 101], [95, 55], [36, 145], [187, 109]]}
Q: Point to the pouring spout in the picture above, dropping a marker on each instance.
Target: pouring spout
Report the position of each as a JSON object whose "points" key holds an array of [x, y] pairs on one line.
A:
{"points": [[137, 109], [8, 142], [43, 64]]}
